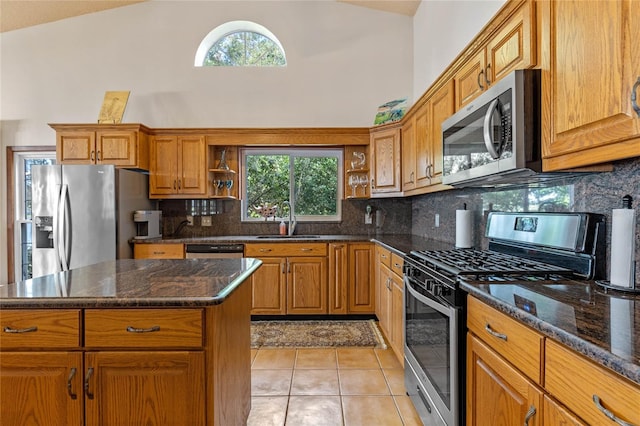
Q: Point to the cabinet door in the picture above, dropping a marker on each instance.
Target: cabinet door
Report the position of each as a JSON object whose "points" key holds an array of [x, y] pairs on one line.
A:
{"points": [[361, 281], [307, 285], [397, 317], [163, 166], [385, 152], [338, 278], [116, 147], [441, 107], [593, 63], [121, 385], [41, 388], [558, 415], [470, 80], [423, 154], [384, 313], [497, 393], [409, 151], [268, 287], [192, 176], [76, 147]]}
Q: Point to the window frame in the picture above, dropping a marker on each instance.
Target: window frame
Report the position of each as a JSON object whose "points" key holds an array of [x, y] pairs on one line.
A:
{"points": [[292, 152]]}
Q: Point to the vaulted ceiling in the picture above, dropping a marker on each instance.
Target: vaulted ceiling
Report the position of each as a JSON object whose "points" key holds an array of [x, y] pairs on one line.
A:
{"points": [[16, 14]]}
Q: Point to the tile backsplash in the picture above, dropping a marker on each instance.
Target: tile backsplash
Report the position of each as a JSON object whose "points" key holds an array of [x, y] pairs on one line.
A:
{"points": [[595, 193]]}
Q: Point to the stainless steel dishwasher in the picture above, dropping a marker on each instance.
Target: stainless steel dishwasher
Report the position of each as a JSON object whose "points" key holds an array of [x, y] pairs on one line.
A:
{"points": [[214, 251]]}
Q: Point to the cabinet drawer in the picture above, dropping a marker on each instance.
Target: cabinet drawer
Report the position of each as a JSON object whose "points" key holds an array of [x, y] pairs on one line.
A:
{"points": [[397, 263], [39, 329], [285, 249], [143, 328], [158, 251], [518, 344], [383, 256], [574, 381]]}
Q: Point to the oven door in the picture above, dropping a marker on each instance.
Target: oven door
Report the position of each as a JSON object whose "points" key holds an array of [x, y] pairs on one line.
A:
{"points": [[432, 342]]}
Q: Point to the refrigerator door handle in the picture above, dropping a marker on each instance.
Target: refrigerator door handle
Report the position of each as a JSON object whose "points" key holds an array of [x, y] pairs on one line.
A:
{"points": [[62, 227]]}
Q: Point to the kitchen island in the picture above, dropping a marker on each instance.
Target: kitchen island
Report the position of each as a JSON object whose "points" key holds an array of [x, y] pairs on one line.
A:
{"points": [[129, 342]]}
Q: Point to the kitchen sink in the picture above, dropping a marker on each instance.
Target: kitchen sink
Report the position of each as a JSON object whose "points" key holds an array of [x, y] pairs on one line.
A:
{"points": [[302, 237]]}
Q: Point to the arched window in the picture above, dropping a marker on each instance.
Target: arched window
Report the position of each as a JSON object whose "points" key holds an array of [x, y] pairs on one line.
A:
{"points": [[240, 43]]}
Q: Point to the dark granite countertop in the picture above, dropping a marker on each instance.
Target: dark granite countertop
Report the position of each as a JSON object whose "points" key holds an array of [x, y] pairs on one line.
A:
{"points": [[605, 327], [131, 283], [399, 243]]}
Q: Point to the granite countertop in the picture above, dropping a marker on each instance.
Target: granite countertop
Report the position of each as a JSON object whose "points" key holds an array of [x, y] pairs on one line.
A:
{"points": [[399, 243], [133, 283], [605, 327]]}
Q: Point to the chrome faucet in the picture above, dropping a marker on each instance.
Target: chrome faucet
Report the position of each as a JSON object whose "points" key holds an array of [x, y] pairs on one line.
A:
{"points": [[292, 218]]}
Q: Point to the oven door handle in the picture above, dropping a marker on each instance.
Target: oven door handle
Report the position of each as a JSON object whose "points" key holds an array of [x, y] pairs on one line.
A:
{"points": [[443, 309]]}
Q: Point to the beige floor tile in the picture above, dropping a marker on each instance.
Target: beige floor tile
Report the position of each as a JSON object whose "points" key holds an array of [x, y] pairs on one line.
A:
{"points": [[387, 358], [274, 358], [268, 411], [316, 358], [315, 382], [370, 410], [362, 382], [314, 411], [395, 381], [270, 382], [357, 358], [407, 411]]}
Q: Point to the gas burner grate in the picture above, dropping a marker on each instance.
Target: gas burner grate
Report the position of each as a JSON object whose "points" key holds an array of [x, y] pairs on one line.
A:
{"points": [[486, 262]]}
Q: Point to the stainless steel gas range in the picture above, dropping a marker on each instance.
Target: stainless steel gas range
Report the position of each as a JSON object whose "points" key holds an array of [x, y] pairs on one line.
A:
{"points": [[523, 248]]}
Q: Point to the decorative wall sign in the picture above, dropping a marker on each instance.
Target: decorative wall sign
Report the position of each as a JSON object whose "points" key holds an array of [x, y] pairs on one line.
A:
{"points": [[113, 107]]}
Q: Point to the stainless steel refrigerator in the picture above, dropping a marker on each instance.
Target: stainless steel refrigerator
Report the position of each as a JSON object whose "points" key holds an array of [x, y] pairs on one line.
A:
{"points": [[83, 215]]}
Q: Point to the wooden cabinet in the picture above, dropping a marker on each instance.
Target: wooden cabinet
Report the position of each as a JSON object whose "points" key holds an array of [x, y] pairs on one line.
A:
{"points": [[351, 278], [512, 46], [422, 155], [497, 393], [223, 167], [302, 271], [591, 71], [177, 167], [158, 251], [356, 166], [123, 145], [390, 298], [556, 414], [385, 161], [576, 383]]}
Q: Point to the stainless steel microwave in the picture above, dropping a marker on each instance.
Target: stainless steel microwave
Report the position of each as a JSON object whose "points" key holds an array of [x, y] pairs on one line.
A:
{"points": [[496, 138]]}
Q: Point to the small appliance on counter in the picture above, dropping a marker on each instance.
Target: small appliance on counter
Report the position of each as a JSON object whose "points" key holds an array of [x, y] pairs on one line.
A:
{"points": [[148, 224]]}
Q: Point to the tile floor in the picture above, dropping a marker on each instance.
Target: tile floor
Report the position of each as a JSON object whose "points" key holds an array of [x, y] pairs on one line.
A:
{"points": [[346, 386]]}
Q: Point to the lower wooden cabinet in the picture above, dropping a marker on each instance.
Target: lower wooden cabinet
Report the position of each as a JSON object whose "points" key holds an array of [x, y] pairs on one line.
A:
{"points": [[497, 393], [557, 414], [158, 251], [41, 388], [351, 278], [269, 287], [390, 298], [119, 387]]}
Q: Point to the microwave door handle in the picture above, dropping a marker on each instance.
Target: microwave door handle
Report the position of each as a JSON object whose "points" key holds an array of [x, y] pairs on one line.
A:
{"points": [[488, 139]]}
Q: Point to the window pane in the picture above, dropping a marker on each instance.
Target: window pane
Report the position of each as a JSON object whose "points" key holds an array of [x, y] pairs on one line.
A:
{"points": [[267, 178], [245, 48], [316, 186], [28, 162]]}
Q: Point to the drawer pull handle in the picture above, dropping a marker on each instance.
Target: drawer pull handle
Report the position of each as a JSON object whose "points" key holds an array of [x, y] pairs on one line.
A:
{"points": [[530, 413], [609, 414], [72, 374], [158, 252], [20, 330], [494, 333], [397, 265], [265, 250], [86, 383], [306, 250], [143, 330]]}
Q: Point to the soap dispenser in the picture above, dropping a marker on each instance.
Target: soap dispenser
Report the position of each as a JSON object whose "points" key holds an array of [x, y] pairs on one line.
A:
{"points": [[283, 228]]}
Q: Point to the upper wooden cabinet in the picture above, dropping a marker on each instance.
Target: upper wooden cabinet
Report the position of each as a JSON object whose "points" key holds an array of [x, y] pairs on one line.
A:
{"points": [[385, 161], [512, 46], [123, 145], [178, 167], [592, 68]]}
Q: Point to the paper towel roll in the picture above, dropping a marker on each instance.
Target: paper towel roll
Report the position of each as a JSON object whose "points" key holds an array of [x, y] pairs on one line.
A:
{"points": [[623, 233], [463, 229]]}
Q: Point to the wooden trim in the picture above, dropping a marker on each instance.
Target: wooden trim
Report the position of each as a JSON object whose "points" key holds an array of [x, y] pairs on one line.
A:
{"points": [[11, 199]]}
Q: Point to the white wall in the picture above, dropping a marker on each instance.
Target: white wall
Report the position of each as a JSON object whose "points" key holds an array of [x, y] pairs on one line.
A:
{"points": [[441, 30]]}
